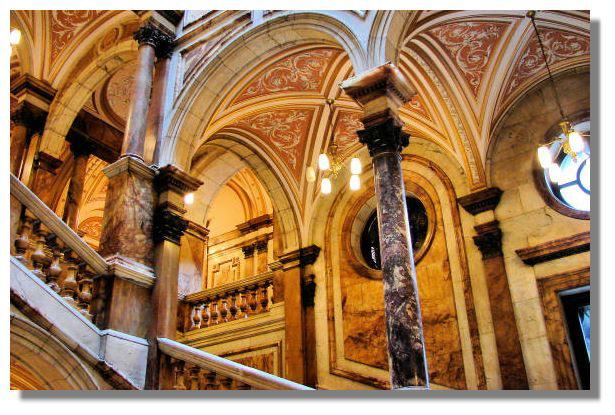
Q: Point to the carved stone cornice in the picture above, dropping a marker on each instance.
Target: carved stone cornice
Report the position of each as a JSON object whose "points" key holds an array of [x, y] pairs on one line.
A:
{"points": [[300, 257], [35, 91], [308, 290], [384, 136], [198, 231], [555, 249], [481, 201], [129, 164], [489, 239], [172, 178], [168, 225], [255, 223], [385, 81], [160, 40]]}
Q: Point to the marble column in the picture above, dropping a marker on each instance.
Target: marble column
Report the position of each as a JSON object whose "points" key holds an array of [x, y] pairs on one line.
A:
{"points": [[248, 256], [169, 226], [24, 124], [488, 239], [81, 154], [381, 91], [154, 139], [128, 222]]}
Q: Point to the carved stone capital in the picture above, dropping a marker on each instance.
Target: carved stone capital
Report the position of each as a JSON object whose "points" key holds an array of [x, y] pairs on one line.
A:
{"points": [[384, 136], [172, 178], [160, 40], [481, 201], [489, 239], [248, 250], [262, 243], [168, 225], [28, 116], [308, 290]]}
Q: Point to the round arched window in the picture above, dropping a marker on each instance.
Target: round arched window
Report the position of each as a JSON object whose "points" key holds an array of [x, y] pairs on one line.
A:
{"points": [[572, 184], [370, 239]]}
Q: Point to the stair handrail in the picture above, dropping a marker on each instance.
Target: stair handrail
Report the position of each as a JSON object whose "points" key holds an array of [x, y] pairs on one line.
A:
{"points": [[228, 287], [225, 367], [48, 217]]}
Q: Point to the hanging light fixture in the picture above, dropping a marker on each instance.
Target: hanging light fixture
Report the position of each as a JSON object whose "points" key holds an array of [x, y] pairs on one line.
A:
{"points": [[571, 142], [330, 163], [15, 36]]}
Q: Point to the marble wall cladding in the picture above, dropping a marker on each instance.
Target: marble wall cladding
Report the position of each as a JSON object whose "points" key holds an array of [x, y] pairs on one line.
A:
{"points": [[527, 220], [363, 312], [127, 225], [264, 362]]}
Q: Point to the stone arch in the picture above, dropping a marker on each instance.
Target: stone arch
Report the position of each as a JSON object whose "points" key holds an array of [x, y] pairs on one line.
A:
{"points": [[233, 152], [69, 100], [193, 109], [43, 361], [387, 35]]}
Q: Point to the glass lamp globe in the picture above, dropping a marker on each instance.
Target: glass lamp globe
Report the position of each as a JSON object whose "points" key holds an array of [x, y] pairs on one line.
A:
{"points": [[189, 198], [325, 186], [323, 162], [15, 36], [310, 174], [544, 157], [576, 141], [355, 165], [355, 182]]}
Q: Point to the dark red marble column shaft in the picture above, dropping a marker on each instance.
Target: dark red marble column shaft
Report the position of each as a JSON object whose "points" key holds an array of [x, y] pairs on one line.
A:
{"points": [[156, 115], [407, 361]]}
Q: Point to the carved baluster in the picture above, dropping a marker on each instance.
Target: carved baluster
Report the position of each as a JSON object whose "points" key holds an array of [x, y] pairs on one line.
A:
{"points": [[253, 298], [243, 303], [38, 257], [224, 311], [205, 315], [211, 381], [195, 373], [215, 314], [69, 285], [226, 383], [85, 293], [55, 269], [234, 307], [239, 385], [264, 297], [270, 292], [180, 380], [196, 316], [22, 243]]}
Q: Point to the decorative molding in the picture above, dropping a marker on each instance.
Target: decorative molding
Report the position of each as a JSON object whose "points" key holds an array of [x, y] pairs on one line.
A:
{"points": [[27, 85], [255, 224], [160, 40], [481, 201], [129, 164], [555, 249], [385, 136], [489, 239], [383, 81], [172, 178], [132, 271], [300, 257]]}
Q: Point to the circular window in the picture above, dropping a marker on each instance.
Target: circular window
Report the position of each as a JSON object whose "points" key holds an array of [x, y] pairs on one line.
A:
{"points": [[370, 239], [572, 184]]}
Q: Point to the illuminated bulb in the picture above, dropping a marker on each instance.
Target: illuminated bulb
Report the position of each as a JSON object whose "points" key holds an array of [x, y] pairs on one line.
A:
{"points": [[555, 173], [189, 198], [355, 166], [323, 162], [310, 174], [576, 141], [15, 36], [544, 157], [355, 182], [325, 186]]}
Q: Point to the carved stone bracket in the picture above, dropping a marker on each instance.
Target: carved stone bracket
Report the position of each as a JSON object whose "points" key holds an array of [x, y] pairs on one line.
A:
{"points": [[168, 225], [481, 201], [489, 239]]}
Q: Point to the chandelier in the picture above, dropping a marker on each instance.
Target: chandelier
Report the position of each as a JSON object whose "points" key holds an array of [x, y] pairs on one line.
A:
{"points": [[570, 142], [331, 163]]}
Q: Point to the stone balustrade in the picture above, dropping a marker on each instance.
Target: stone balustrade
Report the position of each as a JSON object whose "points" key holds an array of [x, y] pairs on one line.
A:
{"points": [[54, 252], [194, 369], [229, 302]]}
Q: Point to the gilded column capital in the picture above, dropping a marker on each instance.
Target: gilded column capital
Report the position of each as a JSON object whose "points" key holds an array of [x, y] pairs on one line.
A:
{"points": [[160, 40]]}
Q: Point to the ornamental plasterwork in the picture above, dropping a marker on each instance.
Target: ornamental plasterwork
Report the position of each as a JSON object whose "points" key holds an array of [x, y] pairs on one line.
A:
{"points": [[119, 90], [558, 44], [65, 24], [465, 141], [346, 128], [285, 130], [300, 72], [470, 45]]}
